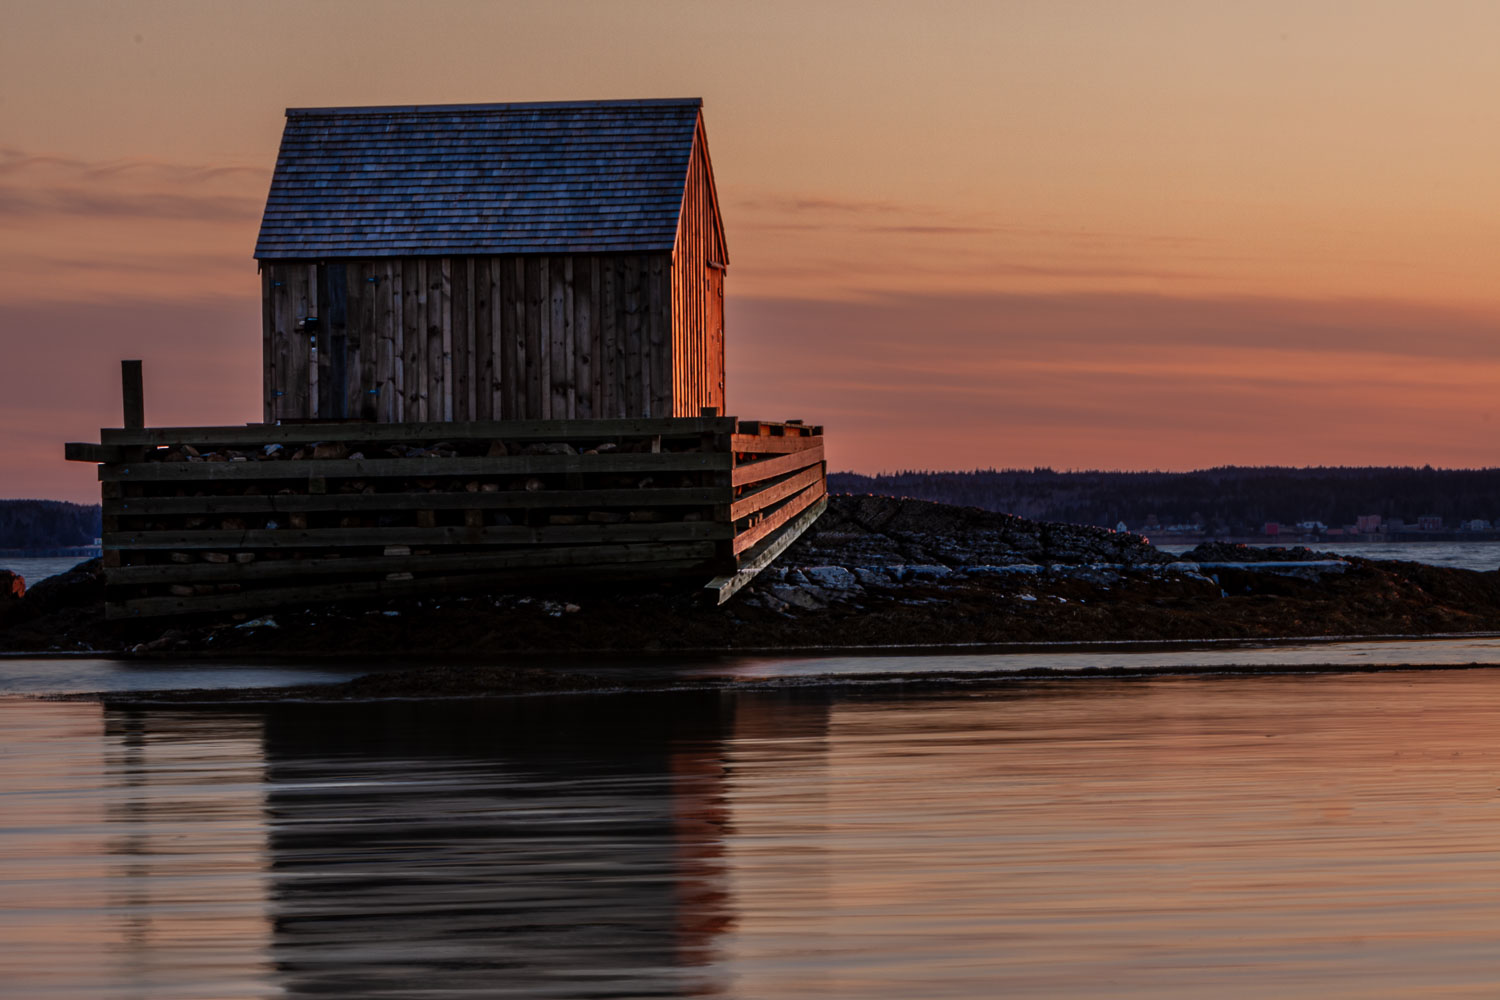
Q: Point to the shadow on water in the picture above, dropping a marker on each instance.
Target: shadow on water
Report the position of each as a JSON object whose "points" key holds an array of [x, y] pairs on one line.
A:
{"points": [[541, 847]]}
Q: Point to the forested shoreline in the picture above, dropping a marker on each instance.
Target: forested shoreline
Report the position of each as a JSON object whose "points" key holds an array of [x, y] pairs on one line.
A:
{"points": [[1232, 499], [47, 524]]}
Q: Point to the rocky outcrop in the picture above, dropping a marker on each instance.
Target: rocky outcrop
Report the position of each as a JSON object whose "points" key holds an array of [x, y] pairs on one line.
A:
{"points": [[876, 543], [873, 571], [877, 531], [63, 612]]}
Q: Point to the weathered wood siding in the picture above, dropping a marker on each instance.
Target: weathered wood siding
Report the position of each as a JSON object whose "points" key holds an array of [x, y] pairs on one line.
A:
{"points": [[338, 511], [477, 338], [698, 291]]}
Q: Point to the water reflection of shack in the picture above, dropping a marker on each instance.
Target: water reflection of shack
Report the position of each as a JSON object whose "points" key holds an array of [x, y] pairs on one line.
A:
{"points": [[535, 847], [492, 347]]}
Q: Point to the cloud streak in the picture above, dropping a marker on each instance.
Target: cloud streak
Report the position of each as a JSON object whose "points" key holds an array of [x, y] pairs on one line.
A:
{"points": [[1121, 381], [25, 202], [38, 186]]}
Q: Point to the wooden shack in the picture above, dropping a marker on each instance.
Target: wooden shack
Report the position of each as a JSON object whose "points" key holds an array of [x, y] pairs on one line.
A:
{"points": [[493, 353], [493, 262]]}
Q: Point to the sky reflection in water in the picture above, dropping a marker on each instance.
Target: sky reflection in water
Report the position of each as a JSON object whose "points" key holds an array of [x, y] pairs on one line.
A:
{"points": [[1237, 837]]}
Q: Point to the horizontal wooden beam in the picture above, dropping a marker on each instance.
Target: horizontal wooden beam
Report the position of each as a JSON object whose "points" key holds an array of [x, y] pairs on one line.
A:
{"points": [[764, 444], [248, 435], [281, 569], [266, 599], [776, 518], [778, 490], [315, 538], [83, 451], [414, 468], [282, 503], [754, 472], [722, 588], [791, 428]]}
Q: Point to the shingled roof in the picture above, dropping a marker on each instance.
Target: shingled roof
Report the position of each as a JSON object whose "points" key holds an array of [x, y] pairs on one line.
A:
{"points": [[574, 177]]}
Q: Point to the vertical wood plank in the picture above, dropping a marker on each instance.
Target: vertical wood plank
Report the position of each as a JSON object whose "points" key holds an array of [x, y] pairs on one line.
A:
{"points": [[536, 407], [462, 337], [661, 372], [321, 340], [544, 336], [414, 320], [132, 395], [469, 352], [436, 356], [381, 315], [634, 344], [716, 368], [512, 327], [609, 324], [445, 332], [370, 347], [516, 341], [348, 388], [596, 318], [484, 358], [267, 348], [281, 309], [300, 354], [502, 325], [315, 348], [583, 336], [398, 340], [383, 338], [563, 371]]}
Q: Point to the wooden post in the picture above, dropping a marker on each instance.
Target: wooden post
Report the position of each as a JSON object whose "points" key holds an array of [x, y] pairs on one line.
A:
{"points": [[132, 391]]}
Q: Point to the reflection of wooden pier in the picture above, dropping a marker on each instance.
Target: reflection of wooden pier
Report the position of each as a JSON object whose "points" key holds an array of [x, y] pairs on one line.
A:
{"points": [[493, 352]]}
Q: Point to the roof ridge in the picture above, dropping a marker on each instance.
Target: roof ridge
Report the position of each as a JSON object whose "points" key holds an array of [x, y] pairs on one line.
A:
{"points": [[387, 109]]}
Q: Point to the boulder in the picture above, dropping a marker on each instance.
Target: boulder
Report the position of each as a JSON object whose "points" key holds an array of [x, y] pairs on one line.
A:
{"points": [[12, 586], [79, 586]]}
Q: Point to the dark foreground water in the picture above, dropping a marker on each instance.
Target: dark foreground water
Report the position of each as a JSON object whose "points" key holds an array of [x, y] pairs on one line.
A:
{"points": [[1330, 835]]}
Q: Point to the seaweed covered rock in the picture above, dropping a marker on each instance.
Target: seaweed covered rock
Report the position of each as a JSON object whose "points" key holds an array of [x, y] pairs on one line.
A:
{"points": [[876, 531], [1220, 552], [80, 586]]}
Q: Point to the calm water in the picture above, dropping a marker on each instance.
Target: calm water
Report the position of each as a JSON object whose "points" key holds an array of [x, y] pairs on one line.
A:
{"points": [[38, 569], [1484, 556], [1203, 837], [71, 675]]}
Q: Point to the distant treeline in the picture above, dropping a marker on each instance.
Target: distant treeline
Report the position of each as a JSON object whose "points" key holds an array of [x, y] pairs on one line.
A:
{"points": [[47, 524], [1234, 500]]}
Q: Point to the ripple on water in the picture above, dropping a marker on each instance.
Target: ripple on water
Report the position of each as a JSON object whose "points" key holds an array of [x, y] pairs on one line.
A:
{"points": [[1177, 837]]}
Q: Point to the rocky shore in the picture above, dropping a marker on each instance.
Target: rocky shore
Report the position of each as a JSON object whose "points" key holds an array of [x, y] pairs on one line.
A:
{"points": [[872, 572]]}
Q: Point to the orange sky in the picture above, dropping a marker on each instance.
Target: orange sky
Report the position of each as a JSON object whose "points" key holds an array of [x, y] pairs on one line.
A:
{"points": [[1145, 235]]}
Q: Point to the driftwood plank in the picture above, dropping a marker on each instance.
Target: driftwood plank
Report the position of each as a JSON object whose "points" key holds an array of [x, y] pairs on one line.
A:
{"points": [[751, 472], [313, 538], [375, 589], [509, 430], [686, 496], [722, 588], [776, 518], [779, 490], [417, 468], [82, 451], [755, 444], [284, 569]]}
